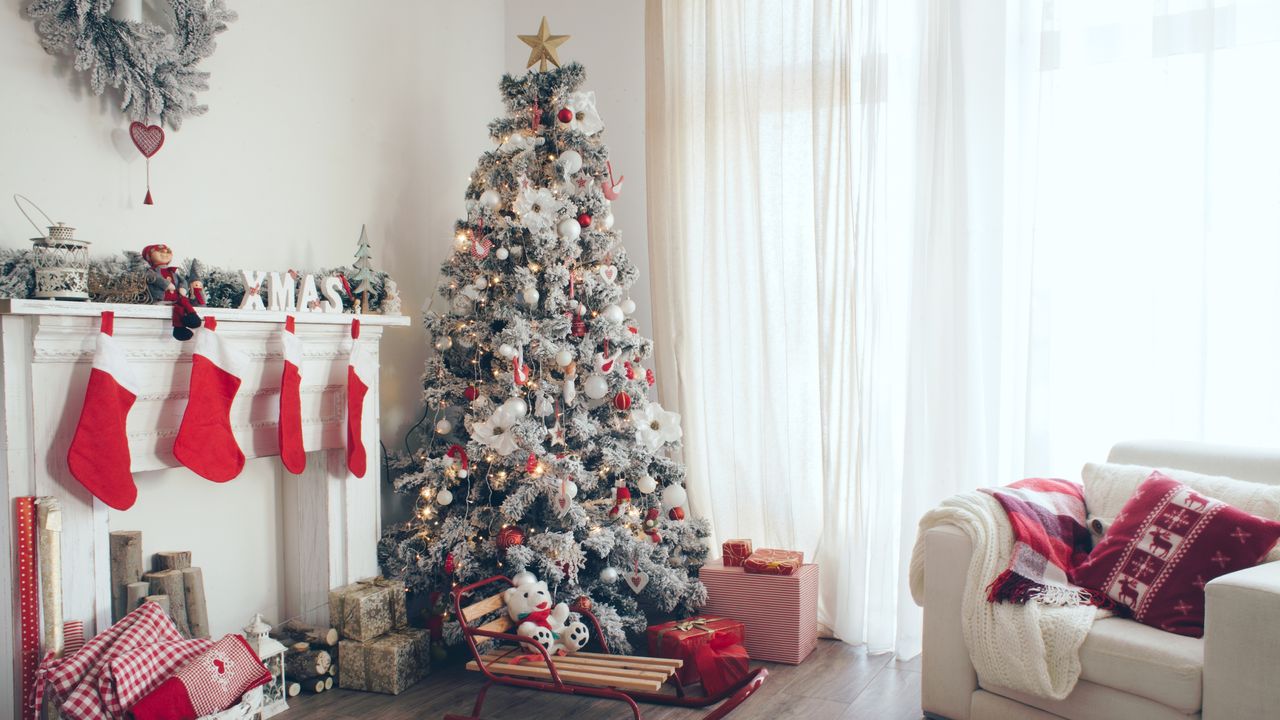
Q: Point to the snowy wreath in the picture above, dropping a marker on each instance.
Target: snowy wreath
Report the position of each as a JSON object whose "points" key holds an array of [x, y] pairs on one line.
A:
{"points": [[154, 70]]}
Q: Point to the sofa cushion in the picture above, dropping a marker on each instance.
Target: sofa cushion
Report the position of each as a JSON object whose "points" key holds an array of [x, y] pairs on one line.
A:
{"points": [[1160, 666], [1166, 543]]}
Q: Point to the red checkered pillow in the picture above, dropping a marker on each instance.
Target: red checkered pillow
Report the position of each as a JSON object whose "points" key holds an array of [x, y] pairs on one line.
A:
{"points": [[211, 682], [1163, 547]]}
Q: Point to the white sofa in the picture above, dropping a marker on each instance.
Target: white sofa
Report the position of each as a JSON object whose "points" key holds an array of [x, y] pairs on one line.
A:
{"points": [[1130, 671]]}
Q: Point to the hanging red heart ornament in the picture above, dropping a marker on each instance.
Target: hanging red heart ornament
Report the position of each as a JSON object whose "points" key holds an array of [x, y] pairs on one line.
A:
{"points": [[148, 139]]}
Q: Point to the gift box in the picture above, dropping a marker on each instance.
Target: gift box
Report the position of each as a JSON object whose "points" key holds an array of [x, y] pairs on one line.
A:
{"points": [[779, 612], [722, 664], [388, 664], [735, 552], [366, 609], [681, 639], [773, 562]]}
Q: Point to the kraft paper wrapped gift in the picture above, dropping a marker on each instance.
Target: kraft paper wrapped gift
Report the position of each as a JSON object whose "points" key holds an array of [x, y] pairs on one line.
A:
{"points": [[780, 612], [389, 664], [366, 609]]}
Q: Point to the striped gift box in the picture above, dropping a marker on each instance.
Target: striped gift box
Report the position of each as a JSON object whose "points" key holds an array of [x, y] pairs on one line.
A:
{"points": [[780, 612]]}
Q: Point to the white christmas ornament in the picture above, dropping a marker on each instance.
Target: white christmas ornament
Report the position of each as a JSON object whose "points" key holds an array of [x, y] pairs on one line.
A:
{"points": [[544, 407], [521, 141], [655, 426], [596, 387], [444, 497], [490, 199], [537, 208], [506, 351], [570, 392], [571, 489], [673, 496], [570, 162], [609, 575], [628, 306], [481, 282], [444, 427], [530, 295], [638, 580], [646, 484], [608, 221], [444, 343], [569, 229], [564, 357], [613, 314], [502, 253], [515, 408]]}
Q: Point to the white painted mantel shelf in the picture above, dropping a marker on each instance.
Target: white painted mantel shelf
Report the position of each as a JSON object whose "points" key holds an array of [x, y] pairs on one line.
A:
{"points": [[330, 519]]}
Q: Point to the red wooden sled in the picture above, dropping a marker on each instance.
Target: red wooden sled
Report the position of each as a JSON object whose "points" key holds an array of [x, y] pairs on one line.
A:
{"points": [[624, 678]]}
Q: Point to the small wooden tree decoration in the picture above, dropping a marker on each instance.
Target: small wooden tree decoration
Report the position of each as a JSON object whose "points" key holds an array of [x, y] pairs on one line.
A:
{"points": [[364, 270]]}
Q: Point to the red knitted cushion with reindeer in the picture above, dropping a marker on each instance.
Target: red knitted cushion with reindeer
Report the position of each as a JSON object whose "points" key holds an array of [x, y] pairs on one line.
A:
{"points": [[1166, 543]]}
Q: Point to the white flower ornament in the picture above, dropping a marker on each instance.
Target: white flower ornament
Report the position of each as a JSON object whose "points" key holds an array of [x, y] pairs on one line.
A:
{"points": [[537, 208], [655, 426], [586, 119], [496, 433]]}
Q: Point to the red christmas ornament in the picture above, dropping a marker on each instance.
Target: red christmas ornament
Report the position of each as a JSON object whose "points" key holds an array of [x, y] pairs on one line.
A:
{"points": [[677, 513], [449, 565], [579, 326], [584, 220], [531, 464], [510, 535], [648, 376], [581, 604], [565, 115], [471, 393], [622, 401], [650, 525], [634, 330], [148, 139], [631, 370]]}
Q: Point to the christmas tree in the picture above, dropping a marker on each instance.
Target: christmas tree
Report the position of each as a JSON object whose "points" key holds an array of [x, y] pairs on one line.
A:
{"points": [[547, 454], [364, 270]]}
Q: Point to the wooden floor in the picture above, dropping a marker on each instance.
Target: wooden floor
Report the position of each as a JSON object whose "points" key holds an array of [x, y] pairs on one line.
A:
{"points": [[838, 681]]}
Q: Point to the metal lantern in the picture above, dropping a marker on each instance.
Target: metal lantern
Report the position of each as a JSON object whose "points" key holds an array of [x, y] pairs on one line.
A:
{"points": [[60, 260], [271, 653]]}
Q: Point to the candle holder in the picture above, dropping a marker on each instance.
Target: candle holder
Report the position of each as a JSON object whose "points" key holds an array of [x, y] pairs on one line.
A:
{"points": [[61, 261]]}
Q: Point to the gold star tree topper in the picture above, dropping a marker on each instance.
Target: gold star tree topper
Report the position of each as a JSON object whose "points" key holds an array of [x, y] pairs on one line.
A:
{"points": [[544, 46]]}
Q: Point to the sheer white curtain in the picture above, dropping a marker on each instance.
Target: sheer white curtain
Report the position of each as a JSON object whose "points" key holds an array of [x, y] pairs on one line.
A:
{"points": [[818, 281], [904, 248]]}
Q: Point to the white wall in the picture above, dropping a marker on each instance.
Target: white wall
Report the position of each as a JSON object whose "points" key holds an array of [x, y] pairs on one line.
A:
{"points": [[323, 115], [608, 39]]}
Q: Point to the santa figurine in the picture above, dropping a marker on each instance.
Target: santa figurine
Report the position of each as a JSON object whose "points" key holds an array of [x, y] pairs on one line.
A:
{"points": [[166, 284]]}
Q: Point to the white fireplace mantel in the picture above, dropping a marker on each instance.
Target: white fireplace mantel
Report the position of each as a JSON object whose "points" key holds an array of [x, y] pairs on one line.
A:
{"points": [[330, 519]]}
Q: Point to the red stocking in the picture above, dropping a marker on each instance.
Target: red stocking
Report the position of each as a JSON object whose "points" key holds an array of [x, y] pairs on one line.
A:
{"points": [[205, 442], [292, 454], [99, 454], [360, 374]]}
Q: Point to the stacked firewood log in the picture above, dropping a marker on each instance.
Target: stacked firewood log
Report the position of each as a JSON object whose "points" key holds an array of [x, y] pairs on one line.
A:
{"points": [[312, 658]]}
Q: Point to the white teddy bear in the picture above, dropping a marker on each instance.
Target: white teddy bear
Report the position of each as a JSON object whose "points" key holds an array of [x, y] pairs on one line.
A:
{"points": [[529, 604]]}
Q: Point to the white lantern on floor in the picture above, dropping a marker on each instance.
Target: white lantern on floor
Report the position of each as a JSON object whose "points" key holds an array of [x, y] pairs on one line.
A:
{"points": [[271, 653]]}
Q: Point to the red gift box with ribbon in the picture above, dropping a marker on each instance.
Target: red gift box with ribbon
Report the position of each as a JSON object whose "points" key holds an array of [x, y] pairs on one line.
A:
{"points": [[722, 663], [773, 562], [735, 552], [683, 639]]}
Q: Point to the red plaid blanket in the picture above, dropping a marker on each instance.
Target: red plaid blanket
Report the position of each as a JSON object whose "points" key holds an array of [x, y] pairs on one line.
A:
{"points": [[1050, 541], [117, 667]]}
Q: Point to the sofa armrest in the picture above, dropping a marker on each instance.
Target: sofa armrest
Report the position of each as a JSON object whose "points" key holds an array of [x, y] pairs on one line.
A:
{"points": [[1242, 644], [948, 679]]}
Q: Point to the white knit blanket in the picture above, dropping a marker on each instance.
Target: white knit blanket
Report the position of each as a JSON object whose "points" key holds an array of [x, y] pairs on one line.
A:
{"points": [[1032, 648]]}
